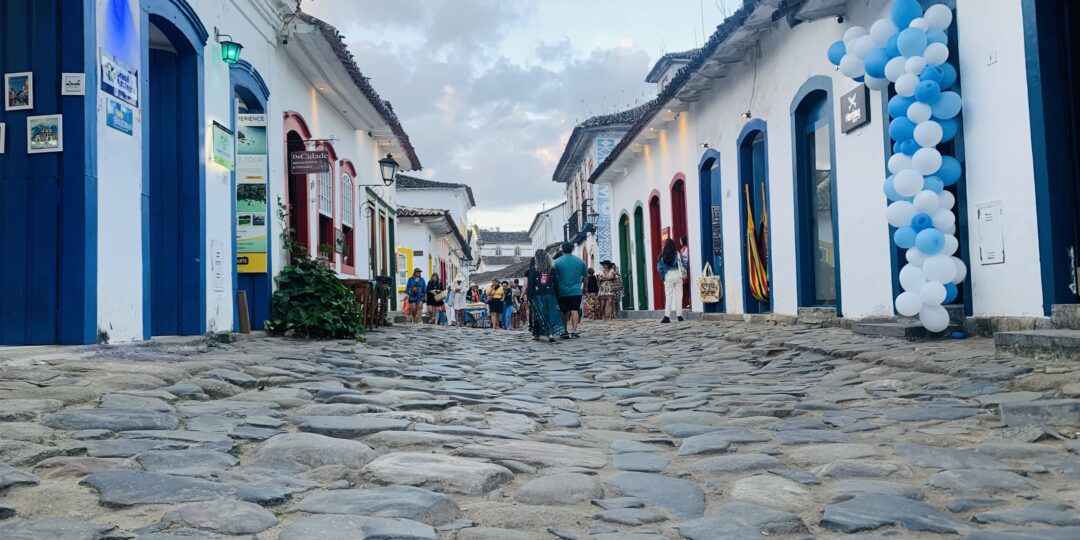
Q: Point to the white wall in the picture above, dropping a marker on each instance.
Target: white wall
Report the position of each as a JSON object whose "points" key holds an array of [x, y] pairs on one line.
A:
{"points": [[456, 200]]}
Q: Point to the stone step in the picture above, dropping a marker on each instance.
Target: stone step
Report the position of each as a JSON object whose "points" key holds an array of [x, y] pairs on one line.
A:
{"points": [[1065, 316], [1059, 342], [897, 329], [656, 314]]}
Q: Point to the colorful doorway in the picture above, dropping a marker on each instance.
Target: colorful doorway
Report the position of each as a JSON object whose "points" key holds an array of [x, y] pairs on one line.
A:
{"points": [[655, 240], [639, 250], [680, 228], [754, 221], [711, 214], [625, 270]]}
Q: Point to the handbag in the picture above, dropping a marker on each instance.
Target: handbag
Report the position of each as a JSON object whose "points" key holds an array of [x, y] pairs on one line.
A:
{"points": [[440, 296], [682, 269], [710, 288]]}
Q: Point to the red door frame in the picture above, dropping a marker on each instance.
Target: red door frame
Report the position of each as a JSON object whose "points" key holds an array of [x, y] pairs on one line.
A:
{"points": [[654, 237], [679, 225], [330, 228], [344, 167], [297, 186]]}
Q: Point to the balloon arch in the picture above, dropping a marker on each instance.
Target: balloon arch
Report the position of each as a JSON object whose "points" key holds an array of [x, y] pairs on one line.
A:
{"points": [[910, 50]]}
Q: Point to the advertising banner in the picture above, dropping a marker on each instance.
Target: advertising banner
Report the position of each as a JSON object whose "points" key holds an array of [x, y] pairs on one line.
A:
{"points": [[251, 198], [309, 162]]}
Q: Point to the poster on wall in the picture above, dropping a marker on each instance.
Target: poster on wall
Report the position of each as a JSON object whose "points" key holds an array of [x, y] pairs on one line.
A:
{"points": [[44, 134], [251, 198], [119, 80], [72, 84], [119, 116], [3, 137], [18, 91], [223, 146]]}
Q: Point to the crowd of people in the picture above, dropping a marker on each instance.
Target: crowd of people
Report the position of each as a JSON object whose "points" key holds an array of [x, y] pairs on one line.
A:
{"points": [[556, 295]]}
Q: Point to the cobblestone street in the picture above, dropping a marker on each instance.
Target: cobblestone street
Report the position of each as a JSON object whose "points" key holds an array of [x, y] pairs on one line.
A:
{"points": [[699, 430]]}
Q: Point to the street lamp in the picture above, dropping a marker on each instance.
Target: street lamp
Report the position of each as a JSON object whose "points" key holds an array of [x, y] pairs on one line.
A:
{"points": [[230, 50], [388, 167]]}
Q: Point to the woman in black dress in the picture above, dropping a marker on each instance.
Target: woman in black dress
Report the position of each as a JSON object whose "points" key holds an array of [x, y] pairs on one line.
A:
{"points": [[435, 306]]}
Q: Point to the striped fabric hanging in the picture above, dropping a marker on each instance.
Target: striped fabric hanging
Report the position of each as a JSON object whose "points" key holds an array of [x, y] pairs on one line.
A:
{"points": [[758, 276]]}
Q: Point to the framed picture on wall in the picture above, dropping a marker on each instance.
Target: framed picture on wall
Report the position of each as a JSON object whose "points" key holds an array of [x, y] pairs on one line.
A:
{"points": [[44, 134], [3, 137], [18, 91]]}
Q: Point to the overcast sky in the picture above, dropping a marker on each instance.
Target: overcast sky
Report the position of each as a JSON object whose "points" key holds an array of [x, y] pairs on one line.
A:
{"points": [[489, 90]]}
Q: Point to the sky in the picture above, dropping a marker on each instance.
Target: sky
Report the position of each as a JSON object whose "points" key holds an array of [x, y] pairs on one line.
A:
{"points": [[489, 90]]}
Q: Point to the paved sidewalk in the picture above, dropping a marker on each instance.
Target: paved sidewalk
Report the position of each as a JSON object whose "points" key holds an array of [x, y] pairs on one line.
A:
{"points": [[699, 430]]}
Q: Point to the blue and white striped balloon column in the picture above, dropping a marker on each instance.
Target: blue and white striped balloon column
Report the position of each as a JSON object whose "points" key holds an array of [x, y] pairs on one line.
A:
{"points": [[910, 50]]}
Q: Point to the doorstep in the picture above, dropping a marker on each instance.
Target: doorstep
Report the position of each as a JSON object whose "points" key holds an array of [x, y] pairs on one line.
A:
{"points": [[656, 314], [1063, 343]]}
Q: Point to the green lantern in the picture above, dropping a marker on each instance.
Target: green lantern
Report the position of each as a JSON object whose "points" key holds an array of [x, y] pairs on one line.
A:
{"points": [[230, 51]]}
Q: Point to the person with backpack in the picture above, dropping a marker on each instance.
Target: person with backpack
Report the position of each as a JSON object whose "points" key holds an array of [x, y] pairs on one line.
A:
{"points": [[671, 267], [542, 289]]}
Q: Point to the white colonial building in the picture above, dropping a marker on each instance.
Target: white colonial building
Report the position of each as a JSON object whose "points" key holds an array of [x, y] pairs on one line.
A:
{"points": [[546, 230], [433, 220], [499, 249]]}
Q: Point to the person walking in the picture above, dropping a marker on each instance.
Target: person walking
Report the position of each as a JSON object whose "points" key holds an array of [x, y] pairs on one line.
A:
{"points": [[611, 288], [672, 268], [457, 292], [495, 294], [417, 290], [684, 252], [509, 300], [571, 272], [542, 285], [592, 296], [436, 299]]}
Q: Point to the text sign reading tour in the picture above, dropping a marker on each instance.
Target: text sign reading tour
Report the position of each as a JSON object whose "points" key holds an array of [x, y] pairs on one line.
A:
{"points": [[854, 112], [309, 162]]}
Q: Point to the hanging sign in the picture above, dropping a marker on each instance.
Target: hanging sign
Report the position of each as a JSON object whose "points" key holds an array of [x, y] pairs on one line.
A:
{"points": [[251, 200], [119, 80], [853, 110], [119, 116], [223, 146], [309, 162], [717, 232]]}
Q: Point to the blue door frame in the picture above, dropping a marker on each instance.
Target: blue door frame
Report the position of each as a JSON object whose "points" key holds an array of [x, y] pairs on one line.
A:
{"points": [[250, 86], [182, 26], [709, 198], [811, 109], [48, 202], [753, 144]]}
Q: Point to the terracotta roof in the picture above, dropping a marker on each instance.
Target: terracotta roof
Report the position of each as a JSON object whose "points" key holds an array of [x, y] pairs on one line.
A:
{"points": [[504, 237], [575, 145], [668, 59], [451, 227], [516, 270], [383, 107], [407, 182]]}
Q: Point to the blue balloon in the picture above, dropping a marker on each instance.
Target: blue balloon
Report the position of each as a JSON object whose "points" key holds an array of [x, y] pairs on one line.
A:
{"points": [[896, 147], [909, 147], [932, 73], [905, 11], [901, 129], [860, 78], [930, 241], [836, 52], [949, 77], [949, 173], [928, 92], [905, 237], [892, 47], [934, 184], [937, 36], [948, 105], [912, 42], [951, 293], [898, 106], [921, 222], [875, 63], [948, 129]]}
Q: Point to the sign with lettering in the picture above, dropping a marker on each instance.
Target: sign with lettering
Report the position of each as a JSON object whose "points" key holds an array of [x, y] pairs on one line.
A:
{"points": [[251, 199], [119, 116], [991, 219], [309, 162], [717, 233], [119, 80], [854, 112]]}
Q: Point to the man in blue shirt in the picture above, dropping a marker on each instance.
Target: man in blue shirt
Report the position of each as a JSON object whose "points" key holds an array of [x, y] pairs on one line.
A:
{"points": [[571, 272]]}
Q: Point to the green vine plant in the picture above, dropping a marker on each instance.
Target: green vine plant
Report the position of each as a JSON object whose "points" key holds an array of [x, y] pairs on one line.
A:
{"points": [[310, 301]]}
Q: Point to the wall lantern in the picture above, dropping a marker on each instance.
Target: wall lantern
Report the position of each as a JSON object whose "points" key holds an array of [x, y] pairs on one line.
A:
{"points": [[388, 167], [230, 50]]}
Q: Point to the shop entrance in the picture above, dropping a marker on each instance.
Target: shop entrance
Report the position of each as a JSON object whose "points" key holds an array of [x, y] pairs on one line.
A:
{"points": [[655, 243]]}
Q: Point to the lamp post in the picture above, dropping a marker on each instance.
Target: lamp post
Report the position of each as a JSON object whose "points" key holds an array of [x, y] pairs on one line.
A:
{"points": [[388, 167], [230, 50]]}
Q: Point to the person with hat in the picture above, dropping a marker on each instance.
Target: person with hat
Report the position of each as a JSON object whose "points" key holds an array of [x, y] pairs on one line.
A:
{"points": [[416, 288], [457, 302]]}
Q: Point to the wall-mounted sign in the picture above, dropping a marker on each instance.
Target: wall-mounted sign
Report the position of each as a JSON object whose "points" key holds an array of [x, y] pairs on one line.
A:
{"points": [[119, 116], [854, 112], [251, 205], [224, 146], [309, 162], [119, 80], [3, 137], [44, 134], [717, 232], [72, 84], [990, 217]]}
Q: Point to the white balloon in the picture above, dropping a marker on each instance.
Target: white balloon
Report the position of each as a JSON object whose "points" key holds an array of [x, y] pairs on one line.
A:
{"points": [[938, 16], [951, 245], [961, 271], [915, 65], [932, 293], [919, 112], [926, 201], [852, 34], [948, 200], [882, 30], [908, 304], [895, 68], [900, 213], [920, 23], [951, 229], [906, 85], [939, 268], [875, 83], [927, 161], [916, 256], [863, 46], [908, 182], [942, 218], [934, 318], [936, 54], [852, 66], [912, 278], [899, 162], [928, 134]]}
